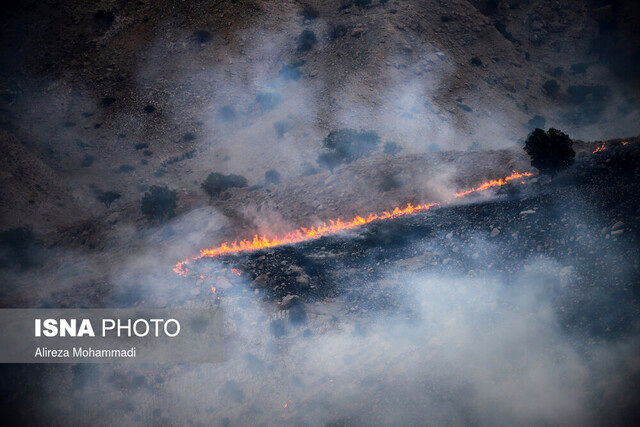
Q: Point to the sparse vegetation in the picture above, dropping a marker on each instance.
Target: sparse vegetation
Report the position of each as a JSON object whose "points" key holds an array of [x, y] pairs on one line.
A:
{"points": [[338, 31], [551, 87], [309, 13], [359, 3], [177, 159], [107, 101], [227, 113], [87, 161], [272, 177], [19, 248], [347, 145], [108, 197], [216, 183], [291, 71], [159, 203], [188, 137], [125, 169], [550, 151], [391, 148], [103, 19], [268, 100], [306, 40], [202, 36]]}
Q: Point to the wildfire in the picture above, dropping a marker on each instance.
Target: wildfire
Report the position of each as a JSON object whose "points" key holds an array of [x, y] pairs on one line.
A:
{"points": [[494, 183], [334, 226], [600, 148]]}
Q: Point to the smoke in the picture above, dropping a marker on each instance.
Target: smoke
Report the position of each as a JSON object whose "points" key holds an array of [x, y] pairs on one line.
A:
{"points": [[483, 349], [463, 346]]}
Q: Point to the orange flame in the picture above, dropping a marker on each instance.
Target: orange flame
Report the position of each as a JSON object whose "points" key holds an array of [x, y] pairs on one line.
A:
{"points": [[236, 271], [334, 226], [494, 183], [600, 148]]}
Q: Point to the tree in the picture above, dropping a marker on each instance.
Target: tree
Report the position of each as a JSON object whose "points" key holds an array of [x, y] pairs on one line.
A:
{"points": [[216, 183], [159, 203], [108, 197], [550, 151]]}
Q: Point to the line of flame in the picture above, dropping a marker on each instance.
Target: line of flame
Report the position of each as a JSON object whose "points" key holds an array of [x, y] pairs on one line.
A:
{"points": [[302, 233], [602, 148]]}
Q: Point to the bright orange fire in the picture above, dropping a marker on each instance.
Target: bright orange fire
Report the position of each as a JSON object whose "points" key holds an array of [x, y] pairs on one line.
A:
{"points": [[334, 226], [600, 148], [494, 183]]}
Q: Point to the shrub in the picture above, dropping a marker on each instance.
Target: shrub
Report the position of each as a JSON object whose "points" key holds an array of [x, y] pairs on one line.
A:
{"points": [[476, 61], [125, 168], [338, 31], [550, 151], [309, 13], [391, 148], [19, 248], [108, 197], [347, 145], [159, 203], [268, 100], [272, 176], [291, 71], [202, 36], [306, 40], [551, 87], [103, 18], [188, 137], [87, 161], [216, 183]]}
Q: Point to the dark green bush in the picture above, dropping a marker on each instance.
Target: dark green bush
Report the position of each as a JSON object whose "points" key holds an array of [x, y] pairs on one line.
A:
{"points": [[272, 177], [347, 145], [216, 183], [159, 203], [551, 87], [306, 40], [391, 148], [20, 248], [550, 151]]}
